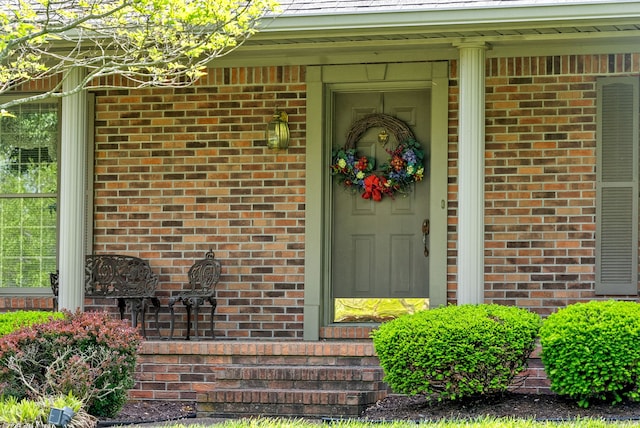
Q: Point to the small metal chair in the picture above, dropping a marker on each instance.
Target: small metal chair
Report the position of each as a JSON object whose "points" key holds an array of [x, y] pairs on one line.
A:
{"points": [[203, 277]]}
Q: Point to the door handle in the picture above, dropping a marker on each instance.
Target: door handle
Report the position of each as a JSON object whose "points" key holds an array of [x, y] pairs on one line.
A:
{"points": [[425, 232]]}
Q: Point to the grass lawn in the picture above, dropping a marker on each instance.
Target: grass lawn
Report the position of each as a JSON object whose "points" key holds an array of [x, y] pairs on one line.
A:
{"points": [[485, 423]]}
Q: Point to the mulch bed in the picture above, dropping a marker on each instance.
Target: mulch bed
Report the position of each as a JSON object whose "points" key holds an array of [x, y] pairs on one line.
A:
{"points": [[523, 406], [150, 411], [417, 408]]}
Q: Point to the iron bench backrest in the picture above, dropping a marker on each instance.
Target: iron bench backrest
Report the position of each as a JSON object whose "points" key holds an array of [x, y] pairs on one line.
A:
{"points": [[109, 275], [127, 279]]}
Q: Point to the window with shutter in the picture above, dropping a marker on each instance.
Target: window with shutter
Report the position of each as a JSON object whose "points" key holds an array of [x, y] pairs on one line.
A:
{"points": [[617, 187]]}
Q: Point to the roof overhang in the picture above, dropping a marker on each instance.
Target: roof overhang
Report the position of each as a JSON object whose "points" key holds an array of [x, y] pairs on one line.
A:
{"points": [[316, 38]]}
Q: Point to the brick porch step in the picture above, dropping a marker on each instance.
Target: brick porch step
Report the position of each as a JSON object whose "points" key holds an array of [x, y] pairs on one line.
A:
{"points": [[237, 378], [285, 402], [326, 378]]}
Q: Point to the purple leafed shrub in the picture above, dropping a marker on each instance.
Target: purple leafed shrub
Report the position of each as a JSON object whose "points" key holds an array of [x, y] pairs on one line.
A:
{"points": [[87, 353]]}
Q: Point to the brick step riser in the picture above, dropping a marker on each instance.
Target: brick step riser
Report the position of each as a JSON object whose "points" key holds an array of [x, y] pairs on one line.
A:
{"points": [[298, 385], [296, 360], [325, 374], [233, 403], [241, 410], [300, 378]]}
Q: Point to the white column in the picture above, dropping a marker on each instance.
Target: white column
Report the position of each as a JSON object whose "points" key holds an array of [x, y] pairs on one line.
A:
{"points": [[72, 164], [471, 174]]}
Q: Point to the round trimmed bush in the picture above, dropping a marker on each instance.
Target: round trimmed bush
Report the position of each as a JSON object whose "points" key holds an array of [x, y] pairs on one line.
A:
{"points": [[456, 352], [591, 351]]}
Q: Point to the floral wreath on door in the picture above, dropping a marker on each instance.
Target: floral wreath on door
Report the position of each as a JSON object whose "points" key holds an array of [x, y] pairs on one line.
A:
{"points": [[358, 173]]}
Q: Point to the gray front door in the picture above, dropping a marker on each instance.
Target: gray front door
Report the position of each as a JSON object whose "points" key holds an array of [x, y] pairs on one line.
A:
{"points": [[378, 248]]}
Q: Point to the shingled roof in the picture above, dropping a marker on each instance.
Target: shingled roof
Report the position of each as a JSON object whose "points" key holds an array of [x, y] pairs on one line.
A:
{"points": [[322, 7]]}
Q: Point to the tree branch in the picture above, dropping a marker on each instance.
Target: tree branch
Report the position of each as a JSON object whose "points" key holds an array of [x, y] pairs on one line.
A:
{"points": [[146, 42]]}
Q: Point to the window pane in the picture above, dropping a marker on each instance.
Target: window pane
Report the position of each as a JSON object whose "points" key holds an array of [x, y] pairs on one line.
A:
{"points": [[27, 241], [28, 149], [28, 195]]}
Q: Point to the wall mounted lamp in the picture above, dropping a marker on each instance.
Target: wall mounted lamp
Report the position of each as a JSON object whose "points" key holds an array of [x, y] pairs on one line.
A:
{"points": [[277, 134]]}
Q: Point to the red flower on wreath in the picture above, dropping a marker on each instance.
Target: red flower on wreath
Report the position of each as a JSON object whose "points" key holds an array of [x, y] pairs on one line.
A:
{"points": [[362, 163], [374, 187]]}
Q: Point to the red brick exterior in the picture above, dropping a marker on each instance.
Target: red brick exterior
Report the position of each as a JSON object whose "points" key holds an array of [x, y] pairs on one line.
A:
{"points": [[25, 303], [180, 171], [540, 159]]}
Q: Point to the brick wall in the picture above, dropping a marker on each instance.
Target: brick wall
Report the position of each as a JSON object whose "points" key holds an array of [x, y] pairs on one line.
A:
{"points": [[540, 177], [25, 303], [180, 171]]}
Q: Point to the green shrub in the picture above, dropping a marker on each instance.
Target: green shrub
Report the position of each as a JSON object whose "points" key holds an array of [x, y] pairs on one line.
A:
{"points": [[12, 321], [88, 354], [591, 351], [456, 352]]}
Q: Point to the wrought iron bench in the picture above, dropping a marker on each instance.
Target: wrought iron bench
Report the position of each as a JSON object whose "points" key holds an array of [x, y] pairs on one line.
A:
{"points": [[203, 277], [127, 279]]}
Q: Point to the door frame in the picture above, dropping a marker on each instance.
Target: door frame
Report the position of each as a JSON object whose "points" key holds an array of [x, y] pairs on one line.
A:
{"points": [[322, 82]]}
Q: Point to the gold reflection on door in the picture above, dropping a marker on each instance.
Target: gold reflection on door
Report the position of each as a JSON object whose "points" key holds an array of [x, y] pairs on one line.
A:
{"points": [[376, 310]]}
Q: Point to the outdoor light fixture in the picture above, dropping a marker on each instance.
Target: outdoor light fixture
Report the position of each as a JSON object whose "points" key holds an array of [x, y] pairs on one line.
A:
{"points": [[61, 417], [278, 131]]}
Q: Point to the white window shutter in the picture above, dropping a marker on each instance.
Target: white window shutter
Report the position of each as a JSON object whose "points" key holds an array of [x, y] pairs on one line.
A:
{"points": [[617, 187]]}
